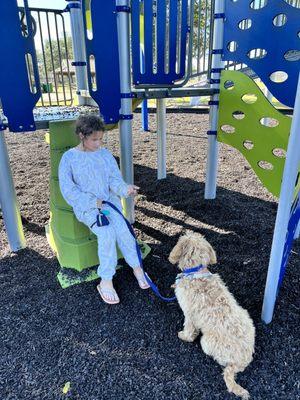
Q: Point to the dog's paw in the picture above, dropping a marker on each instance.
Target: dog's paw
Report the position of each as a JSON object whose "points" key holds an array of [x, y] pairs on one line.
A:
{"points": [[245, 395], [183, 336]]}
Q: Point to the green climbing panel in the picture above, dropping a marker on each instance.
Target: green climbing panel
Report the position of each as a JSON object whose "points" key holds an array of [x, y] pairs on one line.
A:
{"points": [[56, 196], [250, 123], [74, 244]]}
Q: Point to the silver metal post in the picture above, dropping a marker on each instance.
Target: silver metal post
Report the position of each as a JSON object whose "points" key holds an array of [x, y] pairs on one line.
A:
{"points": [[290, 172], [212, 152], [125, 125], [161, 138], [77, 30], [8, 201]]}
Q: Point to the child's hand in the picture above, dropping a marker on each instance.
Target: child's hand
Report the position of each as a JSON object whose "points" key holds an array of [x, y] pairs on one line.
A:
{"points": [[132, 190], [99, 203]]}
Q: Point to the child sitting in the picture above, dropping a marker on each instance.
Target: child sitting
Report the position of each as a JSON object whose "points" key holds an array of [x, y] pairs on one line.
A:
{"points": [[88, 175]]}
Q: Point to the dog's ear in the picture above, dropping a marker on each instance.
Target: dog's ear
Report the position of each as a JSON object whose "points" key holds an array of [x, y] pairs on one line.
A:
{"points": [[212, 255], [176, 252]]}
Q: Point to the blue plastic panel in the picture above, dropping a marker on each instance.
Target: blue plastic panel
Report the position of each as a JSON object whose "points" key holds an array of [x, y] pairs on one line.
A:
{"points": [[104, 47], [17, 99], [292, 227], [264, 34], [162, 69]]}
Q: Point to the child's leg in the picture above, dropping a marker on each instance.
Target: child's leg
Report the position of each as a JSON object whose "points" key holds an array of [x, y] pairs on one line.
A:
{"points": [[107, 251], [127, 245], [125, 240]]}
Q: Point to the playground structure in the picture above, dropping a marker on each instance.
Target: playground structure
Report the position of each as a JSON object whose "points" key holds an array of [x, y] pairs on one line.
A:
{"points": [[240, 114]]}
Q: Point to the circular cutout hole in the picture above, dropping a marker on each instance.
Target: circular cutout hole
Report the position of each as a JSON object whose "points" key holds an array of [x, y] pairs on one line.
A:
{"points": [[229, 85], [232, 46], [257, 5], [293, 3], [248, 144], [292, 55], [269, 122], [227, 129], [249, 98], [280, 153], [257, 54], [279, 20], [265, 165], [238, 115], [245, 24], [278, 76]]}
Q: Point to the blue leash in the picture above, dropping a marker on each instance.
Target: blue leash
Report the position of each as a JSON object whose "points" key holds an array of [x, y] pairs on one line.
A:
{"points": [[149, 281]]}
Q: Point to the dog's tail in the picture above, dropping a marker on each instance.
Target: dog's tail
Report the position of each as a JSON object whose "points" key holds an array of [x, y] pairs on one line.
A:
{"points": [[232, 386]]}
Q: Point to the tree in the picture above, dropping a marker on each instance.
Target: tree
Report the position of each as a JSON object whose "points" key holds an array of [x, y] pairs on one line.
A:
{"points": [[56, 54], [202, 26]]}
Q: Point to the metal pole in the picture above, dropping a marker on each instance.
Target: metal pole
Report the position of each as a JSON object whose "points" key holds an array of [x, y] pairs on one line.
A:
{"points": [[161, 138], [217, 63], [77, 30], [8, 201], [125, 124], [290, 172]]}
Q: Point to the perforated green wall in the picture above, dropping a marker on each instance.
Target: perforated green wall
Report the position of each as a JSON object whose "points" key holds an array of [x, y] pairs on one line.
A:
{"points": [[250, 123]]}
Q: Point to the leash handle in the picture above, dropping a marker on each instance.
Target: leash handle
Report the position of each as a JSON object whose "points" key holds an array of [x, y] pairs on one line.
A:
{"points": [[149, 281]]}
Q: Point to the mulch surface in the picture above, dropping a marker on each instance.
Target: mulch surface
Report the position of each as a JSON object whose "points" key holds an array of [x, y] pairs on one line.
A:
{"points": [[50, 336]]}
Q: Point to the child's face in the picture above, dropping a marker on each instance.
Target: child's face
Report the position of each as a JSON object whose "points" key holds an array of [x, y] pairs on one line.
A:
{"points": [[92, 142]]}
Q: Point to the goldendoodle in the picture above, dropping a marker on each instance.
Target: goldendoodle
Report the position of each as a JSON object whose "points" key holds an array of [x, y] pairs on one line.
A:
{"points": [[227, 330]]}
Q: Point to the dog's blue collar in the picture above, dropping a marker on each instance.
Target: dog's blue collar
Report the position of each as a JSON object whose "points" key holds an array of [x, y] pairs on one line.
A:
{"points": [[188, 271], [191, 273]]}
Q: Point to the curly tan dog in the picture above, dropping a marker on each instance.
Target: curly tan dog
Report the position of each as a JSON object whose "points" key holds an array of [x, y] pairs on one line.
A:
{"points": [[208, 306]]}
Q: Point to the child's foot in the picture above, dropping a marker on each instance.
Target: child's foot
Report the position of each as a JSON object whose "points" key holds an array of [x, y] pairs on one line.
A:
{"points": [[107, 292], [140, 277]]}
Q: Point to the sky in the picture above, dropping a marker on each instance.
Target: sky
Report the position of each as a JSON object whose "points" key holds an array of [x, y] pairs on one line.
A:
{"points": [[59, 4], [48, 4]]}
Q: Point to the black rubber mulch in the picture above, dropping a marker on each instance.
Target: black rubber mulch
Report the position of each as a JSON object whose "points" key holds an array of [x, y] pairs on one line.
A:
{"points": [[51, 336]]}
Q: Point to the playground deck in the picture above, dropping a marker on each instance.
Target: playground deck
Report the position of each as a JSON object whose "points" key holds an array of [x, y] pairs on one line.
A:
{"points": [[51, 336]]}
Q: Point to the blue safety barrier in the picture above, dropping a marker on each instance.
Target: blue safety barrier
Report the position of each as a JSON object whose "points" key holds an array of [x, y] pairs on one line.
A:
{"points": [[169, 65], [17, 93], [292, 227], [145, 115], [274, 30], [104, 47]]}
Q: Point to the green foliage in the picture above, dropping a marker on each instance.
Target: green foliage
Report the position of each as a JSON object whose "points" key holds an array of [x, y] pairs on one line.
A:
{"points": [[201, 27], [56, 54]]}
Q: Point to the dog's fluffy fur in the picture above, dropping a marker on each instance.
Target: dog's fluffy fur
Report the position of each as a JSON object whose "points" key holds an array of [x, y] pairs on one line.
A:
{"points": [[208, 306]]}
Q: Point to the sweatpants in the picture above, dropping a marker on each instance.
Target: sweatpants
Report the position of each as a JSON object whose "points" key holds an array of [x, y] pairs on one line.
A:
{"points": [[108, 236]]}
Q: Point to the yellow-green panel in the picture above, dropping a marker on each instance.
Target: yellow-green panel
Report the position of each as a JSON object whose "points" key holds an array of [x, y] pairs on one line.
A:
{"points": [[67, 225], [62, 135], [55, 157], [56, 197], [76, 254], [262, 146]]}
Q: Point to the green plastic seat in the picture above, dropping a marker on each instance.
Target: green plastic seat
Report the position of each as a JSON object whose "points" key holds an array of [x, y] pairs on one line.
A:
{"points": [[56, 197], [67, 225]]}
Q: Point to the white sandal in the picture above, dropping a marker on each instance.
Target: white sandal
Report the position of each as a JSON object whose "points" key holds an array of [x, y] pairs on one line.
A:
{"points": [[143, 284], [105, 291]]}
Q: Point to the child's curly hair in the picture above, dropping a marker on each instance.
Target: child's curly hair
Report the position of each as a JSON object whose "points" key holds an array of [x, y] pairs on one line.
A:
{"points": [[87, 124]]}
